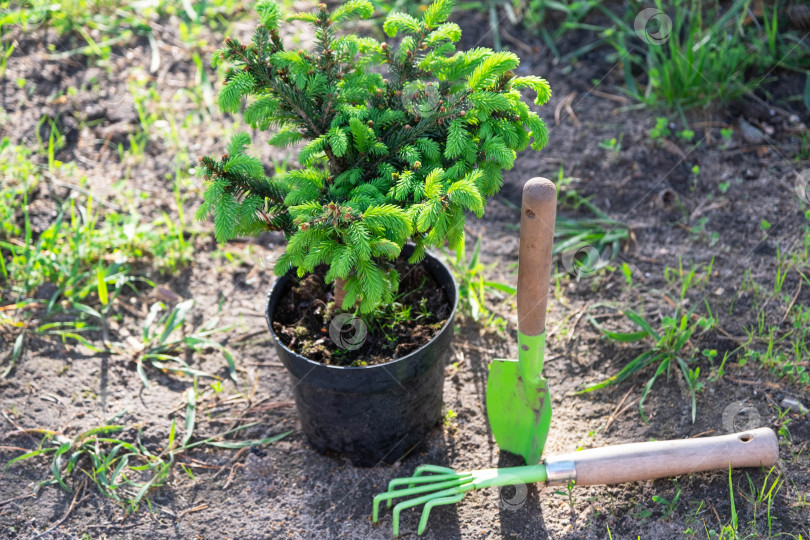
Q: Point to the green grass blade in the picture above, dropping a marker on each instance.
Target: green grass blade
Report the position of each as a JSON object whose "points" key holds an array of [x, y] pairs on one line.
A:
{"points": [[231, 364], [662, 367], [101, 284], [172, 434], [86, 309], [184, 370], [159, 474], [28, 455], [176, 319], [476, 254], [504, 288], [122, 463], [72, 335], [253, 442], [638, 363], [731, 498], [100, 430], [16, 352], [690, 384], [56, 465], [141, 373], [191, 416], [221, 435], [154, 309], [641, 322], [624, 337]]}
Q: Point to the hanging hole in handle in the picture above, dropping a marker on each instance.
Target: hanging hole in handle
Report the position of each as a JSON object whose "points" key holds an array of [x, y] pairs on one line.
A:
{"points": [[746, 437], [530, 214]]}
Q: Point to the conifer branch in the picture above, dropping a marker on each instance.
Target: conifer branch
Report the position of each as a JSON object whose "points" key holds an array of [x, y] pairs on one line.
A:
{"points": [[386, 160]]}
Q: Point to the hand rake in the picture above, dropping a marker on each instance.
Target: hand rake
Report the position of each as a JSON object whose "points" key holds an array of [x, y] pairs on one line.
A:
{"points": [[435, 486]]}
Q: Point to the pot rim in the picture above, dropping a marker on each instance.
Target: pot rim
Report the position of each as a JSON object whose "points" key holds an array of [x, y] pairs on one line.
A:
{"points": [[408, 357]]}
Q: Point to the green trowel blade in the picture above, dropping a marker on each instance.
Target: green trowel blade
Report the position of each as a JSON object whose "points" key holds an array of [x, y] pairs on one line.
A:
{"points": [[518, 401]]}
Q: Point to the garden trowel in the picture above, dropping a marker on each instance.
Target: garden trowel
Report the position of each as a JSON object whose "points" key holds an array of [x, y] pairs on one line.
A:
{"points": [[518, 400]]}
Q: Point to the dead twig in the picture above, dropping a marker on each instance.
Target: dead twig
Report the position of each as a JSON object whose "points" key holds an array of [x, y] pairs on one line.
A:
{"points": [[704, 125], [716, 514], [616, 412], [703, 208], [111, 525], [761, 149], [231, 474], [8, 501], [15, 307], [76, 501], [672, 148], [565, 103], [265, 364], [795, 296], [232, 464], [51, 179], [770, 106], [766, 384], [619, 99], [472, 347], [736, 339], [266, 407], [197, 464], [525, 47], [245, 337], [14, 448], [198, 508], [454, 368], [577, 318], [19, 428], [233, 460]]}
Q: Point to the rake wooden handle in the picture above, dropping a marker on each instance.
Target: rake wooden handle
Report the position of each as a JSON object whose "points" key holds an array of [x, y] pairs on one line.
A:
{"points": [[649, 460], [537, 214]]}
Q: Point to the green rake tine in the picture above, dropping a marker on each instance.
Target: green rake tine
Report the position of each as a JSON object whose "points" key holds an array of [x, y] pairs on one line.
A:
{"points": [[435, 502], [433, 468], [390, 495], [411, 480], [444, 494]]}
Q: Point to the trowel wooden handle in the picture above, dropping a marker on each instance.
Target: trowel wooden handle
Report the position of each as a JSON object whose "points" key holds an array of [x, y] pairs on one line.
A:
{"points": [[649, 460], [539, 208]]}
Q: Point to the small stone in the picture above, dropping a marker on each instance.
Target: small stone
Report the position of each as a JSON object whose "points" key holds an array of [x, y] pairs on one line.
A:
{"points": [[750, 133], [794, 405]]}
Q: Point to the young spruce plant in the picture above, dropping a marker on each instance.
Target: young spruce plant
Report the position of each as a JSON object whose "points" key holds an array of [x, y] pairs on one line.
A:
{"points": [[403, 138]]}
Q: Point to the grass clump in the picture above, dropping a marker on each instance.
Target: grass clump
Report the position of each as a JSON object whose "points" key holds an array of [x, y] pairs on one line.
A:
{"points": [[65, 279], [702, 55], [123, 467], [670, 344]]}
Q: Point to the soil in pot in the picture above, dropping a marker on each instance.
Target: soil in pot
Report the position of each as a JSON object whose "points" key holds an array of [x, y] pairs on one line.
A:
{"points": [[302, 319]]}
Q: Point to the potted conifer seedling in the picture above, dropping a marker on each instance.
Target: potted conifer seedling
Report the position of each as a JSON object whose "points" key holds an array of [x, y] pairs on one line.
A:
{"points": [[400, 139]]}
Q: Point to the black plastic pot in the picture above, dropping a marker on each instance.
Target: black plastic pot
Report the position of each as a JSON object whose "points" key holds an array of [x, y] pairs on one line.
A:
{"points": [[377, 413]]}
